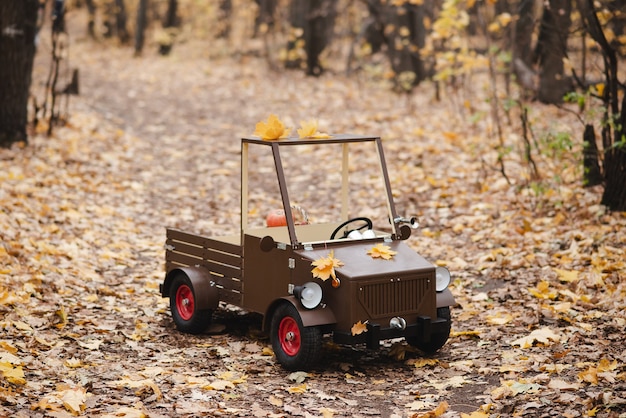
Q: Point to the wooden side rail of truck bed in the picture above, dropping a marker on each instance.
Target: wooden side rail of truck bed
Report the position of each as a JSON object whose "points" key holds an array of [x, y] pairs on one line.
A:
{"points": [[221, 258]]}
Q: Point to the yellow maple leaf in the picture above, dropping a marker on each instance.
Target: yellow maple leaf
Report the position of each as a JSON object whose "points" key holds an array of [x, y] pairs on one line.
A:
{"points": [[437, 412], [73, 399], [569, 276], [381, 250], [359, 328], [324, 267], [309, 130], [499, 319], [272, 129], [543, 291], [13, 374], [298, 389], [475, 414], [541, 335], [423, 362]]}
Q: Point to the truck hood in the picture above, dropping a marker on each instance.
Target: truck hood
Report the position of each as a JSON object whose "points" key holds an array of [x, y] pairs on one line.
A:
{"points": [[357, 263]]}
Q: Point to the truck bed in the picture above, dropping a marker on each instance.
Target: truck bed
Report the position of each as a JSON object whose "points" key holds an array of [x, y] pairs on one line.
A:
{"points": [[221, 256]]}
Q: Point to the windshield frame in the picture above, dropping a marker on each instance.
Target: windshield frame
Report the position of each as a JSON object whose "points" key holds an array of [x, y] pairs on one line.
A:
{"points": [[275, 147]]}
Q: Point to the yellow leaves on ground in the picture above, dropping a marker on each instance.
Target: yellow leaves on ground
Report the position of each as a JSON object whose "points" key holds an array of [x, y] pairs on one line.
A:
{"points": [[437, 412], [298, 389], [475, 414], [141, 385], [11, 365], [604, 369], [423, 362], [359, 328], [310, 130], [324, 267], [12, 373], [499, 318], [71, 398], [126, 412], [542, 335], [543, 291], [569, 276], [381, 250], [272, 129]]}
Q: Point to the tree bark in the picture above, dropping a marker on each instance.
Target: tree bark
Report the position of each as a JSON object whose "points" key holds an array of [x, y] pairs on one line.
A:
{"points": [[522, 37], [614, 119], [592, 175], [318, 30], [140, 30], [18, 27], [552, 49], [171, 21]]}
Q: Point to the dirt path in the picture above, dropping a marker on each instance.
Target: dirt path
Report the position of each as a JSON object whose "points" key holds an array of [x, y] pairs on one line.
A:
{"points": [[154, 142]]}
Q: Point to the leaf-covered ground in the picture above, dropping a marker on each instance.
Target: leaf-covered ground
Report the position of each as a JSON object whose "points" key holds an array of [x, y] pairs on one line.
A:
{"points": [[154, 142]]}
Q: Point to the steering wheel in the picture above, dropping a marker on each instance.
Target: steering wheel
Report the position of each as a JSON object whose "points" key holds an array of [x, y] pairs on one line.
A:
{"points": [[368, 224]]}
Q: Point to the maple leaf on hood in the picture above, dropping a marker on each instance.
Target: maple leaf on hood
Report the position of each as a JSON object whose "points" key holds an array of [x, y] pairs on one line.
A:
{"points": [[324, 267], [272, 129], [381, 251]]}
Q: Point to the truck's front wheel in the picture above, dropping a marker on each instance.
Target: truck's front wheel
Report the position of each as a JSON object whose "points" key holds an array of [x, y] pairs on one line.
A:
{"points": [[187, 317], [296, 347]]}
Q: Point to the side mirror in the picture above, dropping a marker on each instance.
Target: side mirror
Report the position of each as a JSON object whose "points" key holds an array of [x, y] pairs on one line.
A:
{"points": [[267, 243], [404, 232]]}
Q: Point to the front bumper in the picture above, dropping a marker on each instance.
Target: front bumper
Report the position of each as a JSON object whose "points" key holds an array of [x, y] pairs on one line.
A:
{"points": [[423, 329]]}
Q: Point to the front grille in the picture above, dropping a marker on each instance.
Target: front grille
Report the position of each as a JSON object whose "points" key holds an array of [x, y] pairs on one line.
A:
{"points": [[395, 296]]}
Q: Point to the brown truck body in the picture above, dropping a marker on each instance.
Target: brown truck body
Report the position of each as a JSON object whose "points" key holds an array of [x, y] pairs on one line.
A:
{"points": [[265, 270]]}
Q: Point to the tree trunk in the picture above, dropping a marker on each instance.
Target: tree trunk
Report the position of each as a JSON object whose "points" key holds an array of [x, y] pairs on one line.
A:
{"points": [[140, 30], [522, 38], [318, 30], [120, 21], [404, 43], [18, 23], [552, 49], [91, 23], [614, 119], [171, 21], [592, 175]]}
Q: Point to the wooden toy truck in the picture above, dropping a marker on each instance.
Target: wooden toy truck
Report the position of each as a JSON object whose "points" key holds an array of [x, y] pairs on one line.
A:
{"points": [[268, 269]]}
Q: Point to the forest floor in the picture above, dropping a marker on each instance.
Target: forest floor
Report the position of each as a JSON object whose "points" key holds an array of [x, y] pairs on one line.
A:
{"points": [[151, 142]]}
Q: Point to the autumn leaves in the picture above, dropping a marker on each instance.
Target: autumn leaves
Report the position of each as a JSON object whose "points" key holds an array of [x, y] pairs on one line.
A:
{"points": [[274, 129]]}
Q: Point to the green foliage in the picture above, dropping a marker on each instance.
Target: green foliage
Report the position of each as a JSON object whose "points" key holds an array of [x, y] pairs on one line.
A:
{"points": [[557, 143]]}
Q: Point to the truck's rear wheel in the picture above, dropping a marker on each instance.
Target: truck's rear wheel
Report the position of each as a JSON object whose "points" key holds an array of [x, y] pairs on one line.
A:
{"points": [[185, 313], [437, 340], [296, 347]]}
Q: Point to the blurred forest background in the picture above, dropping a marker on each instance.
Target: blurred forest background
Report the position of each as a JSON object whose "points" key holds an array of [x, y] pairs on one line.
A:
{"points": [[555, 52], [504, 130]]}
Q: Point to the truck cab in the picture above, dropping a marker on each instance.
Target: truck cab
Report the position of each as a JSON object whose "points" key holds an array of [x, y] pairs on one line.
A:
{"points": [[309, 265]]}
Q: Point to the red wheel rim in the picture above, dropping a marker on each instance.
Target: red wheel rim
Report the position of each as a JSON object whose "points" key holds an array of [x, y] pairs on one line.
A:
{"points": [[289, 336], [184, 302]]}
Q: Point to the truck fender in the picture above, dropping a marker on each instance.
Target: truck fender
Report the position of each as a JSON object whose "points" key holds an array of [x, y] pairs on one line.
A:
{"points": [[204, 289], [322, 315], [445, 298]]}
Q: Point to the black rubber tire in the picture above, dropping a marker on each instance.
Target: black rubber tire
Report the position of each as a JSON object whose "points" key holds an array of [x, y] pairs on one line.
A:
{"points": [[186, 316], [436, 340], [303, 350]]}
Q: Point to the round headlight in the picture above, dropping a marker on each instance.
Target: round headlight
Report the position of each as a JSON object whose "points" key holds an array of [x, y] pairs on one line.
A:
{"points": [[309, 294], [442, 278]]}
